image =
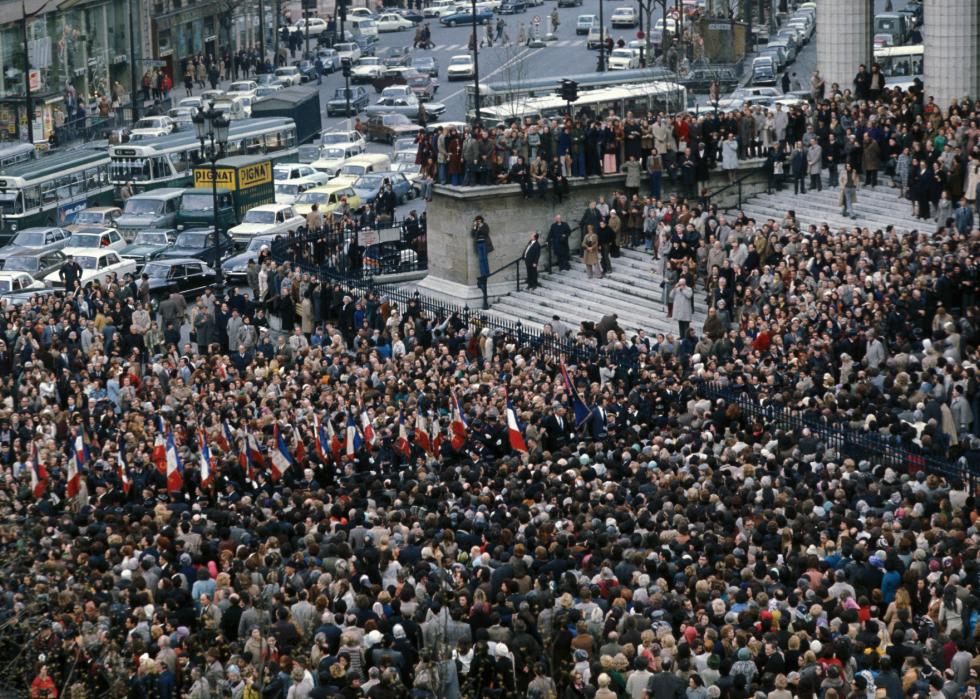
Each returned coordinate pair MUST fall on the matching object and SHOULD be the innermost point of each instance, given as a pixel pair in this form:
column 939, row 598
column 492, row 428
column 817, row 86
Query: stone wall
column 843, row 41
column 952, row 50
column 453, row 266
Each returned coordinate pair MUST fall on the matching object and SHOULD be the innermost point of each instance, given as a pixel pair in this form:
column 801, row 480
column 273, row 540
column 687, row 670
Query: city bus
column 16, row 153
column 639, row 99
column 901, row 64
column 52, row 189
column 168, row 161
column 494, row 94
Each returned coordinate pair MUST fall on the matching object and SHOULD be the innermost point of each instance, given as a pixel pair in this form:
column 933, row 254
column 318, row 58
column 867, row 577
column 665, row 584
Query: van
column 332, row 158
column 893, row 24
column 156, row 208
column 362, row 164
column 363, row 26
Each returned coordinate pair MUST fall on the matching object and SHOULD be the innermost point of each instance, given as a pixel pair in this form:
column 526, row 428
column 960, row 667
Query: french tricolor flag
column 175, row 467
column 206, row 460
column 159, row 454
column 254, row 453
column 435, row 435
column 280, row 458
column 245, row 460
column 458, row 427
column 514, row 433
column 353, row 436
column 367, row 428
column 39, row 474
column 319, row 438
column 121, row 470
column 76, row 462
column 333, row 440
column 225, row 437
column 402, row 445
column 299, row 449
column 422, row 433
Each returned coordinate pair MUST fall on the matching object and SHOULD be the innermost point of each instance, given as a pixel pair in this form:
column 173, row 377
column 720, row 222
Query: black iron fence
column 382, row 249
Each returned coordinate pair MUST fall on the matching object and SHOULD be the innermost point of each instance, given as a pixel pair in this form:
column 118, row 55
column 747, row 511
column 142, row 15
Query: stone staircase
column 875, row 208
column 633, row 291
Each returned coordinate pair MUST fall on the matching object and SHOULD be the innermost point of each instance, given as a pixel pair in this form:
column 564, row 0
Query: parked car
column 764, row 71
column 267, row 79
column 291, row 171
column 343, row 137
column 199, row 243
column 700, row 79
column 438, row 8
column 317, row 26
column 624, row 59
column 148, row 244
column 349, row 50
column 267, row 90
column 37, row 264
column 512, row 7
column 236, row 266
column 329, row 59
column 333, row 157
column 389, row 257
column 570, row 3
column 584, row 22
column 267, row 219
column 96, row 237
column 151, row 127
column 393, row 22
column 184, row 275
column 359, row 99
column 389, row 127
column 49, row 238
column 368, row 186
column 245, row 88
column 460, row 67
column 289, row 75
column 328, row 198
column 307, row 70
column 466, row 17
column 18, row 283
column 98, row 265
column 288, row 190
column 624, row 17
column 95, row 216
column 409, row 105
column 369, row 69
column 426, row 64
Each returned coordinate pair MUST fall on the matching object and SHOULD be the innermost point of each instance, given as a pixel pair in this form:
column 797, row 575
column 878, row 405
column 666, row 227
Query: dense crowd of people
column 309, row 490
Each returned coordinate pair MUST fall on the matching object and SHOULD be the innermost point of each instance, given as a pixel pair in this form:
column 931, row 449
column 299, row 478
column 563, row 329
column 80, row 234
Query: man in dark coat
column 532, row 254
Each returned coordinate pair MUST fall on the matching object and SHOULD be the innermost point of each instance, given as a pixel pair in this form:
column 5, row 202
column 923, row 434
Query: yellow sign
column 254, row 175
column 226, row 177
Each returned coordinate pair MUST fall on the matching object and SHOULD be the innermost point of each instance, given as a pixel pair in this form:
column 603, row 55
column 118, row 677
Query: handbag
column 609, row 164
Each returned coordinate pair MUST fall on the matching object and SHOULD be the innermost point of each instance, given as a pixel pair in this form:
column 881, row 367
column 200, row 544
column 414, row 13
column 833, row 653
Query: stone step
column 622, row 286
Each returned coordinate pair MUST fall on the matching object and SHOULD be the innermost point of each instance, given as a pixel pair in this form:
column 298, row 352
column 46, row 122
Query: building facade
column 77, row 51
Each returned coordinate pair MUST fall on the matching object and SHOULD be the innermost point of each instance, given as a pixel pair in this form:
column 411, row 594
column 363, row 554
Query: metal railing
column 737, row 185
column 367, row 251
column 873, row 446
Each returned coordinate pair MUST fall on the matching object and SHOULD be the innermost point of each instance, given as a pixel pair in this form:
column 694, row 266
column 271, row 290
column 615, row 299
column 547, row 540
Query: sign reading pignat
column 232, row 179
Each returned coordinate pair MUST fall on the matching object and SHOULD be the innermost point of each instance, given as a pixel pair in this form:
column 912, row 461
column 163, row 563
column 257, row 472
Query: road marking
column 525, row 53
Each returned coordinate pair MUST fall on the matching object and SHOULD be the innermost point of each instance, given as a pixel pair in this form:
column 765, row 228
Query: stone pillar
column 952, row 50
column 843, row 41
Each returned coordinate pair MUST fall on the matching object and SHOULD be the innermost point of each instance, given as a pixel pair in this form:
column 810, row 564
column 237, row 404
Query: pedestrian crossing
column 464, row 47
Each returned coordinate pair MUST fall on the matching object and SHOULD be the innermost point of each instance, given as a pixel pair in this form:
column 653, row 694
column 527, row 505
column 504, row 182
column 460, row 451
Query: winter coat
column 683, row 300
column 729, row 154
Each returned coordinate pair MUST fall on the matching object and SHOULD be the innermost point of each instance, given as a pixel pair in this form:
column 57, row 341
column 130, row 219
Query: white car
column 152, row 127
column 392, row 22
column 292, row 171
column 289, row 75
column 624, row 17
column 368, row 70
column 97, row 237
column 460, row 67
column 360, row 12
column 267, row 219
column 438, row 8
column 317, row 26
column 333, row 157
column 348, row 50
column 242, row 88
column 288, row 190
column 17, row 282
column 191, row 102
column 97, row 266
column 624, row 59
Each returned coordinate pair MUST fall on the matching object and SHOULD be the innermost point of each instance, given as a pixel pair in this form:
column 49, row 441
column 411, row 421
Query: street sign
column 641, row 34
column 535, row 20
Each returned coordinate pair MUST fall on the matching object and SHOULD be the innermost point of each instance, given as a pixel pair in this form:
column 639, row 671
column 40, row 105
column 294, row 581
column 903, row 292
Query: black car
column 512, row 7
column 700, row 79
column 199, row 244
column 186, row 275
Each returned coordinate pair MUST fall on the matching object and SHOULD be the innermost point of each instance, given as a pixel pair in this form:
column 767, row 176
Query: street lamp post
column 602, row 40
column 476, row 70
column 211, row 127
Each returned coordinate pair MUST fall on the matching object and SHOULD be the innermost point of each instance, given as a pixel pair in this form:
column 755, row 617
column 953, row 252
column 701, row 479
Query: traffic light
column 345, row 67
column 568, row 90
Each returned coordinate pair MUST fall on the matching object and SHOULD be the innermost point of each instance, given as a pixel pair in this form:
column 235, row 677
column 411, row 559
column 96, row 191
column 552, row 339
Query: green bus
column 52, row 189
column 167, row 161
column 244, row 182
